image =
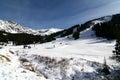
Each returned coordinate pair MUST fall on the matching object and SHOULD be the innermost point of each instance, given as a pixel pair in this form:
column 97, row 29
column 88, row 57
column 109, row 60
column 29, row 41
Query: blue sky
column 39, row 14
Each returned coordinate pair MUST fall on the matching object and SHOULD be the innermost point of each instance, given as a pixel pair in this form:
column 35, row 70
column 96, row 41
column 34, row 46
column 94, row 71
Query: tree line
column 23, row 38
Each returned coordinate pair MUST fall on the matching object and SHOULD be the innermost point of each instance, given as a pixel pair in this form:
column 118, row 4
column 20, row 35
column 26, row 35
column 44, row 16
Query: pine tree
column 117, row 51
column 106, row 68
column 117, row 47
column 76, row 35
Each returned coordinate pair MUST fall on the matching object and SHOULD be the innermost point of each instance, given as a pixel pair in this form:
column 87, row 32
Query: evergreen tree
column 76, row 35
column 117, row 51
column 117, row 47
column 106, row 68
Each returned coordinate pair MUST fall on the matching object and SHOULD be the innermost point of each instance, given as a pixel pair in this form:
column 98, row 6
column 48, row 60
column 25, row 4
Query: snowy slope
column 102, row 19
column 13, row 27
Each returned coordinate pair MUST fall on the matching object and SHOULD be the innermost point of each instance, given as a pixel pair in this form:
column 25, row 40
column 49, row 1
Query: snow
column 62, row 59
column 73, row 58
column 103, row 19
column 85, row 47
column 12, row 71
column 13, row 27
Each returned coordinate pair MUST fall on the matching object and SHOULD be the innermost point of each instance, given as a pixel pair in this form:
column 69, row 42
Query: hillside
column 110, row 29
column 23, row 35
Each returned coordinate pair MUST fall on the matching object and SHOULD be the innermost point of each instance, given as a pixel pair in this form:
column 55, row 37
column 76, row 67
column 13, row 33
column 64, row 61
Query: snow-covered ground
column 62, row 59
column 10, row 68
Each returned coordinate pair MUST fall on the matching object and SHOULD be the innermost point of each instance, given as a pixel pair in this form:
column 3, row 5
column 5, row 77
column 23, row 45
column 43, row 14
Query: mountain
column 13, row 27
column 11, row 31
column 79, row 28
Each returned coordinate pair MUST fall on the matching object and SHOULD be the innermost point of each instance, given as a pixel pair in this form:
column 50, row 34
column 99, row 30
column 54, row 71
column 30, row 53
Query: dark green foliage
column 3, row 37
column 48, row 38
column 57, row 34
column 23, row 38
column 109, row 30
column 106, row 68
column 84, row 26
column 74, row 30
column 117, row 48
column 116, row 52
column 69, row 31
column 76, row 35
column 116, row 19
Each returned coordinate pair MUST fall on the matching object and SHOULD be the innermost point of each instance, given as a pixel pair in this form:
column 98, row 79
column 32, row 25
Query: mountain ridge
column 14, row 28
column 73, row 32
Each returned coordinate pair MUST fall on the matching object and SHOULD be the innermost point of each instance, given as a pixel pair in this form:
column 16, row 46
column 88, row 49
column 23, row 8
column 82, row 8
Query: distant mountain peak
column 13, row 27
